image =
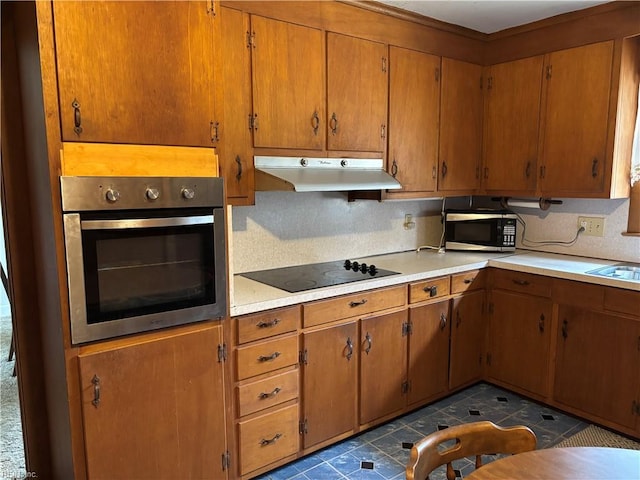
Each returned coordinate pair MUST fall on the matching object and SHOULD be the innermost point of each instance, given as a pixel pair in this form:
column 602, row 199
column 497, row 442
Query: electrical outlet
column 593, row 226
column 409, row 224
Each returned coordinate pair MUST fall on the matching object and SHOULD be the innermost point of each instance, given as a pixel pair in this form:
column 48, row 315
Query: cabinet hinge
column 226, row 461
column 253, row 122
column 302, row 357
column 211, row 8
column 222, row 353
column 251, row 39
column 214, row 128
column 302, row 427
column 405, row 387
column 549, row 71
column 437, row 74
column 407, row 329
column 489, row 83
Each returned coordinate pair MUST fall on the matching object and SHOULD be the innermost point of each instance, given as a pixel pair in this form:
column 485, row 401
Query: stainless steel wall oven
column 143, row 253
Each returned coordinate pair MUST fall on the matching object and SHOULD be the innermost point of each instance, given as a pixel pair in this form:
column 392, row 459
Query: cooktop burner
column 317, row 275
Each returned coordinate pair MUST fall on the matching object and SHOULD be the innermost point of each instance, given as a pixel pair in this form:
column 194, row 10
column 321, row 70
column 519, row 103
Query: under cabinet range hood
column 321, row 174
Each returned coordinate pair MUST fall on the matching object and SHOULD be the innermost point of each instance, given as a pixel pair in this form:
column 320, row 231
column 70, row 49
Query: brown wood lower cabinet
column 383, row 366
column 598, row 364
column 428, row 351
column 154, row 409
column 468, row 328
column 330, row 382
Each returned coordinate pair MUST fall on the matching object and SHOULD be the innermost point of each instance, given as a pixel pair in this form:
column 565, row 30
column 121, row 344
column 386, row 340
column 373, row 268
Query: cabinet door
column 460, row 126
column 383, row 365
column 356, row 94
column 598, row 363
column 136, row 72
column 519, row 341
column 428, row 351
column 155, row 409
column 288, row 85
column 578, row 83
column 511, row 125
column 467, row 339
column 330, row 379
column 234, row 150
column 414, row 114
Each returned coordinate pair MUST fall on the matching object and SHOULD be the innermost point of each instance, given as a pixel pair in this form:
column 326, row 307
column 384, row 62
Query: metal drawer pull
column 443, row 321
column 369, row 341
column 96, row 391
column 522, row 283
column 541, row 323
column 269, row 358
column 269, row 324
column 467, row 280
column 355, row 304
column 349, row 348
column 265, row 442
column 274, row 392
column 432, row 289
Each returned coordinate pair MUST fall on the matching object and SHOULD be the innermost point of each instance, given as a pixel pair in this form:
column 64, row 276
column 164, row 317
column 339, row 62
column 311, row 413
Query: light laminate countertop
column 249, row 296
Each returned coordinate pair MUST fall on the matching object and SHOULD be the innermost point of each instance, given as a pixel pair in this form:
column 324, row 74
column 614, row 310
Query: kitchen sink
column 623, row 271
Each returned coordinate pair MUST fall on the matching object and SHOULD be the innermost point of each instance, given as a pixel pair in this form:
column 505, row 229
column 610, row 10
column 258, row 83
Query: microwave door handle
column 122, row 224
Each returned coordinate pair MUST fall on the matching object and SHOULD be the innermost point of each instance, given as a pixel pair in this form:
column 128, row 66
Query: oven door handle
column 122, row 224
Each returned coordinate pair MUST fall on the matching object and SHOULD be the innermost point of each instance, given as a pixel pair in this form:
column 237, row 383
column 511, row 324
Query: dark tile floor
column 382, row 453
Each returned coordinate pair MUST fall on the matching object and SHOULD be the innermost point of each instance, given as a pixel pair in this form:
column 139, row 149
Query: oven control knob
column 355, row 266
column 347, row 264
column 188, row 193
column 153, row 193
column 363, row 268
column 112, row 195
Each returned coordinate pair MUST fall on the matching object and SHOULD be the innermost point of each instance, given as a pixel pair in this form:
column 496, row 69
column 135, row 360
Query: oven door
column 132, row 273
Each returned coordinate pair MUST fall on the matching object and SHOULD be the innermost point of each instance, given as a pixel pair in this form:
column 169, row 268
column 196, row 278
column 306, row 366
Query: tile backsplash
column 289, row 228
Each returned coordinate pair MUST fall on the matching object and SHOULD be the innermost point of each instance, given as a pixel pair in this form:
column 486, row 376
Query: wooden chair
column 471, row 439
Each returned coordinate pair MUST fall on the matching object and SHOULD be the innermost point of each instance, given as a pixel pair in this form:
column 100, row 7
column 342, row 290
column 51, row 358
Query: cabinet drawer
column 587, row 295
column 428, row 289
column 358, row 304
column 268, row 438
column 472, row 280
column 267, row 324
column 266, row 393
column 522, row 282
column 622, row 301
column 266, row 357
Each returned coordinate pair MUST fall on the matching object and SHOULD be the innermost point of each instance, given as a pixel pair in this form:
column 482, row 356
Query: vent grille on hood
column 322, row 174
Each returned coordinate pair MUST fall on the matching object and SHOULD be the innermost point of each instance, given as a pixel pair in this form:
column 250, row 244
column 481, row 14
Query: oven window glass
column 137, row 272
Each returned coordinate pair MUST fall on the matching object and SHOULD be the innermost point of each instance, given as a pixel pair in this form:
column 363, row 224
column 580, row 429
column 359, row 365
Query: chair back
column 460, row 441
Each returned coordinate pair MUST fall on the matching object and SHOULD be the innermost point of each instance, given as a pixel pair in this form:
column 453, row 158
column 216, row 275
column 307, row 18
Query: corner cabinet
column 153, row 407
column 123, row 77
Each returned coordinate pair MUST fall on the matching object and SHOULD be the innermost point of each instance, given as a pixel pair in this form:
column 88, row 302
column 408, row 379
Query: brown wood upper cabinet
column 460, row 146
column 288, row 85
column 124, row 77
column 357, row 73
column 414, row 116
column 512, row 113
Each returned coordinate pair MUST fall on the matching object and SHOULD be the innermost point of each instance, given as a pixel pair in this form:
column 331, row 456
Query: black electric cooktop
column 317, row 275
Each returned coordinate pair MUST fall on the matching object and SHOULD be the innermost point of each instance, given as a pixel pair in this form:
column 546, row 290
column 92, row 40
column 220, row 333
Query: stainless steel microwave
column 480, row 230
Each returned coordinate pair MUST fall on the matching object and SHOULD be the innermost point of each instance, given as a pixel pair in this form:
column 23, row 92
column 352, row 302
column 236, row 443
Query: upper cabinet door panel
column 288, row 85
column 414, row 113
column 136, row 72
column 460, row 126
column 576, row 119
column 356, row 94
column 511, row 128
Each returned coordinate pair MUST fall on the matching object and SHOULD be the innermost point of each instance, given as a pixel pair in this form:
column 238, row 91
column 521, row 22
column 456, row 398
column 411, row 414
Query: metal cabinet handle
column 443, row 321
column 444, row 169
column 368, row 339
column 356, row 304
column 274, row 439
column 383, row 131
column 394, row 168
column 522, row 283
column 434, row 172
column 349, row 348
column 527, row 170
column 77, row 120
column 268, row 358
column 431, row 289
column 594, row 168
column 96, row 391
column 565, row 329
column 273, row 393
column 269, row 324
column 541, row 323
column 315, row 122
column 333, row 124
column 467, row 281
column 486, row 173
column 239, row 162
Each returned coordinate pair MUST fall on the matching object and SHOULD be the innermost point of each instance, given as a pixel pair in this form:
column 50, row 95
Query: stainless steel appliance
column 317, row 275
column 143, row 253
column 480, row 230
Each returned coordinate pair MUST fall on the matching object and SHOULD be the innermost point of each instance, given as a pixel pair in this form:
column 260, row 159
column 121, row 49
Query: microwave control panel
column 509, row 233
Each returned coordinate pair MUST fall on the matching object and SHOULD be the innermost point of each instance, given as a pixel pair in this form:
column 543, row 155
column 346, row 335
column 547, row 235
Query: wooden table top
column 573, row 463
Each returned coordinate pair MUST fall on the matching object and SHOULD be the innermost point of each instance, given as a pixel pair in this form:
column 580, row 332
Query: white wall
column 5, row 309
